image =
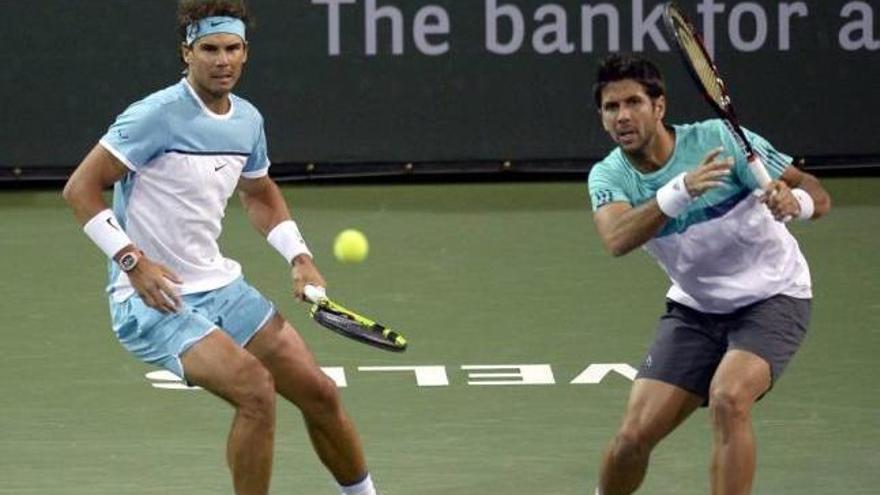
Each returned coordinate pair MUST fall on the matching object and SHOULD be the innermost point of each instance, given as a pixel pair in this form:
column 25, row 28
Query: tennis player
column 739, row 304
column 174, row 159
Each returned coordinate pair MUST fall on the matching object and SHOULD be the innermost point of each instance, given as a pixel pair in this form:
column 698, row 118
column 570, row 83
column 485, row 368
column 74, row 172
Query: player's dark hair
column 620, row 66
column 190, row 11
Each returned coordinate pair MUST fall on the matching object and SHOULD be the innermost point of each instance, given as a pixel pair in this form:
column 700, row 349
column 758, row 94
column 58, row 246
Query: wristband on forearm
column 104, row 230
column 287, row 240
column 673, row 198
column 804, row 199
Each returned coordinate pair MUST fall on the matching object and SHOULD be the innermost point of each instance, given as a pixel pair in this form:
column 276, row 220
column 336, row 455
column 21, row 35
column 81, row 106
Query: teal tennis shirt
column 726, row 250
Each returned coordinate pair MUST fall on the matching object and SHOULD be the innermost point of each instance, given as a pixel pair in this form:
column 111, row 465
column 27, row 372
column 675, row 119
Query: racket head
column 704, row 72
column 697, row 60
column 354, row 326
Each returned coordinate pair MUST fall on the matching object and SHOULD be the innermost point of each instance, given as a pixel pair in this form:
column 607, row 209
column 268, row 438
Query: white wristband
column 287, row 240
column 806, row 201
column 104, row 230
column 673, row 198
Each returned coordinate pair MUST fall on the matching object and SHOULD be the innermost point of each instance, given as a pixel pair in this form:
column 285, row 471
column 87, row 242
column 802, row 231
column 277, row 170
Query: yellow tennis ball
column 351, row 246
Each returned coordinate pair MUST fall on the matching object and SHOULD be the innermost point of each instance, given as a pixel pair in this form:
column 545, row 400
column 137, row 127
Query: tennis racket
column 705, row 73
column 347, row 323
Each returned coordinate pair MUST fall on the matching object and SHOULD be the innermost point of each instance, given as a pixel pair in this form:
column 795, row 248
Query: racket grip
column 314, row 294
column 759, row 171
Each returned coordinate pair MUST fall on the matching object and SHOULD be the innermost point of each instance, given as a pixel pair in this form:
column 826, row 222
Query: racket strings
column 699, row 61
column 351, row 324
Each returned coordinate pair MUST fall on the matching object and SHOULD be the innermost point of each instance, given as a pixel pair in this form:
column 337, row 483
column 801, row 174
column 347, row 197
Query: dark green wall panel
column 69, row 66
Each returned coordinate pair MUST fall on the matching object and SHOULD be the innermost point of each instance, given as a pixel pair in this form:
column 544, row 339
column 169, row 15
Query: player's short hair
column 620, row 66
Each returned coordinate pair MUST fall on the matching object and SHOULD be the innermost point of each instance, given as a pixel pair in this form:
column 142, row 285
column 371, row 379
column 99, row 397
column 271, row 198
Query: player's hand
column 709, row 174
column 153, row 282
column 304, row 272
column 781, row 202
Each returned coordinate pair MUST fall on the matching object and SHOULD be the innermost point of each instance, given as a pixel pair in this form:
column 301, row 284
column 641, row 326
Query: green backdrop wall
column 440, row 80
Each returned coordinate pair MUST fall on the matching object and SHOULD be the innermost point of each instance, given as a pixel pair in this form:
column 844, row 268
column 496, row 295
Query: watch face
column 128, row 261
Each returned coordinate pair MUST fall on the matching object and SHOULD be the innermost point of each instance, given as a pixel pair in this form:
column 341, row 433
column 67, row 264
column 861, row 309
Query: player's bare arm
column 84, row 193
column 263, row 203
column 84, row 190
column 267, row 210
column 783, row 202
column 623, row 228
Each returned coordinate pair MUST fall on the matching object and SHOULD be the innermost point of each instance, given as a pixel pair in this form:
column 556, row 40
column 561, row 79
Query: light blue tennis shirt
column 725, row 251
column 184, row 163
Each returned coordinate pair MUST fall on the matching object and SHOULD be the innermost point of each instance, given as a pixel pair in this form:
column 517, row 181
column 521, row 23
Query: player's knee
column 323, row 399
column 728, row 404
column 256, row 398
column 629, row 445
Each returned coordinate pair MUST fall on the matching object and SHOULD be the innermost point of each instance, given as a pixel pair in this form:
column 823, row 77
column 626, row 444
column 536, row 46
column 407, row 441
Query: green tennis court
column 483, row 279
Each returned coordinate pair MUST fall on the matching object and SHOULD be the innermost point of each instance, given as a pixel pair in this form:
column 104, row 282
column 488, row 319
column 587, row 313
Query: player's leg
column 673, row 381
column 251, row 320
column 741, row 378
column 655, row 408
column 188, row 344
column 763, row 339
column 219, row 365
column 299, row 379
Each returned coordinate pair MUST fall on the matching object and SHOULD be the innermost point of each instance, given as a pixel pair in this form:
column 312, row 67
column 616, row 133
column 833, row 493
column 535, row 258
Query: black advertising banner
column 354, row 81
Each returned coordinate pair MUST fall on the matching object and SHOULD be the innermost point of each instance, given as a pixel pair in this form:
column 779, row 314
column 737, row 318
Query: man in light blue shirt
column 174, row 159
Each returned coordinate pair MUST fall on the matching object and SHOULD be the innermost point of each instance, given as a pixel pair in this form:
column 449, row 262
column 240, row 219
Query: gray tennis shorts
column 690, row 344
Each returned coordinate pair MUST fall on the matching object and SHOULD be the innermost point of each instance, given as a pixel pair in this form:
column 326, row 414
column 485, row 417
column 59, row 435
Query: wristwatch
column 129, row 260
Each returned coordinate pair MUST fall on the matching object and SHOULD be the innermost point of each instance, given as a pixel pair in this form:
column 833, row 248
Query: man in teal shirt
column 739, row 304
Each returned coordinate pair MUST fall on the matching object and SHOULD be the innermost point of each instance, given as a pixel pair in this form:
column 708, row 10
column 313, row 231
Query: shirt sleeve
column 257, row 164
column 604, row 188
column 774, row 160
column 137, row 136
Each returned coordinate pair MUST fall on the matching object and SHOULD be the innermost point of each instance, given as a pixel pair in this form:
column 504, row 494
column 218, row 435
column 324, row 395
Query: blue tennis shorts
column 160, row 338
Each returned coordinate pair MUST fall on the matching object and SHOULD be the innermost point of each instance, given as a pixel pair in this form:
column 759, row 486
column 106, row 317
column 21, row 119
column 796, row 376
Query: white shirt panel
column 174, row 215
column 732, row 261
